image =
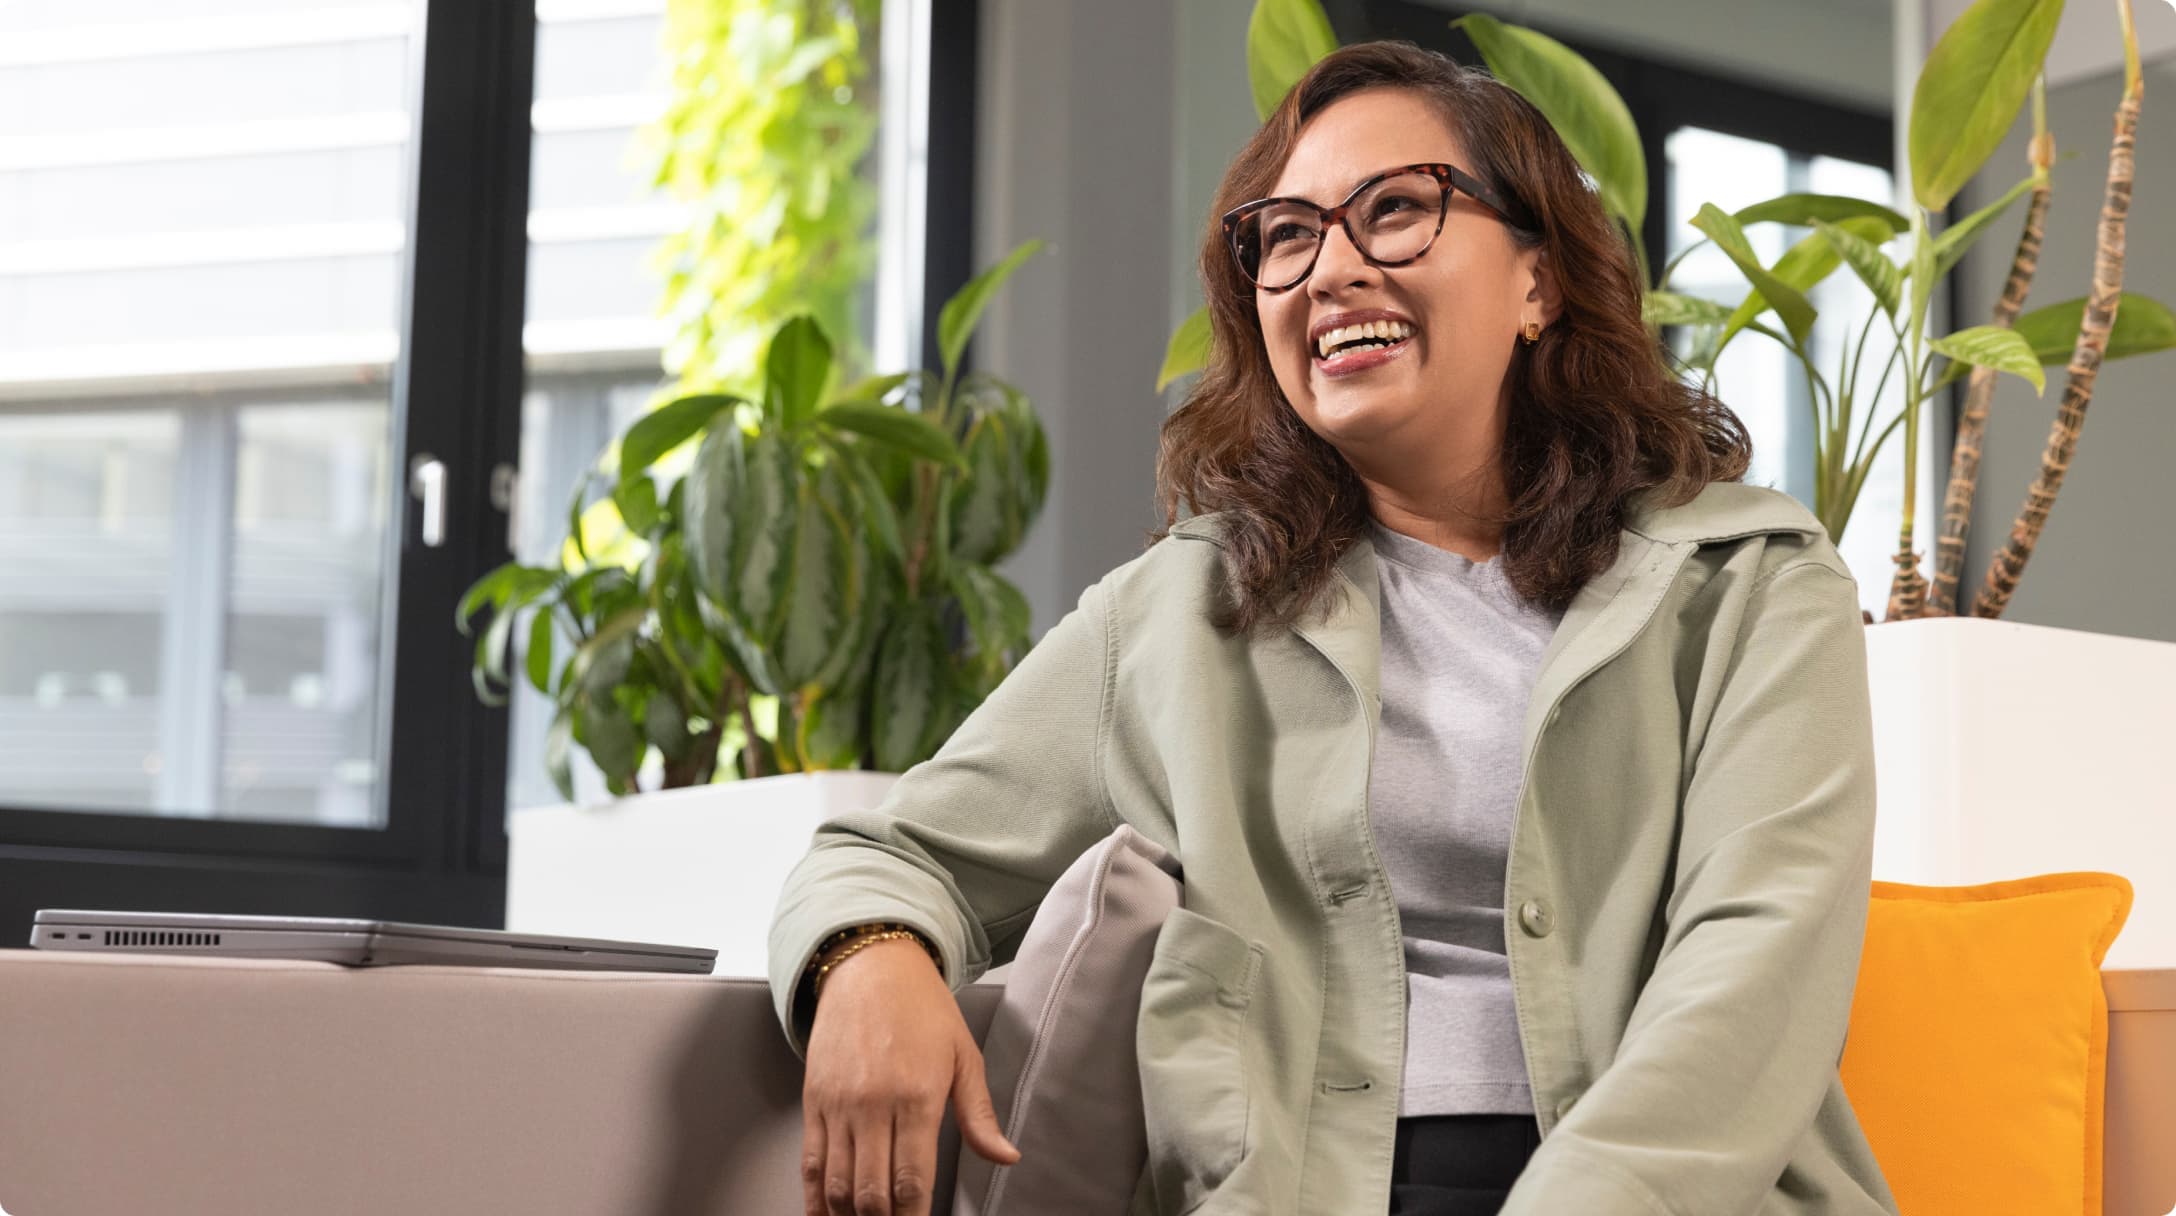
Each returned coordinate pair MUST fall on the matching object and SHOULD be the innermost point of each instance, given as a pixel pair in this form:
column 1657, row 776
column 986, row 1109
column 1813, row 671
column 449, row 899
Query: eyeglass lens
column 1392, row 222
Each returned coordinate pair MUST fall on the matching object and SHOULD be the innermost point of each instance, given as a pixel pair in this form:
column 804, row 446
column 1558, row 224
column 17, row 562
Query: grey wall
column 1074, row 145
column 2103, row 562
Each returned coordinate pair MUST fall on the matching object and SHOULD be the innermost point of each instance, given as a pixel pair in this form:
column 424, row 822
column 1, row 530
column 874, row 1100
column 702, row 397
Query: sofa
column 133, row 1085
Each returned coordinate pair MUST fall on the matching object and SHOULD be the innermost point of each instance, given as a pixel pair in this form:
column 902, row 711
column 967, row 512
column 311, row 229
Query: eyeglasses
column 1392, row 219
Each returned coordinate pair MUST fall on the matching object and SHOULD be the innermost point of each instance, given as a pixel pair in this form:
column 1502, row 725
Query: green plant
column 1969, row 92
column 763, row 141
column 815, row 590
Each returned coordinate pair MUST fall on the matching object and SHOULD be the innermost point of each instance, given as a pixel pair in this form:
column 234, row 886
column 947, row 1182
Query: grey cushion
column 1060, row 1052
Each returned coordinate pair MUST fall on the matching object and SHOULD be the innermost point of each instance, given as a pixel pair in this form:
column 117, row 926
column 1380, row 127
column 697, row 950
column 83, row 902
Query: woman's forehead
column 1357, row 137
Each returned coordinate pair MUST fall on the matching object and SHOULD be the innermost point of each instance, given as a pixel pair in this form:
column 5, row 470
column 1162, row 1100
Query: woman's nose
column 1339, row 263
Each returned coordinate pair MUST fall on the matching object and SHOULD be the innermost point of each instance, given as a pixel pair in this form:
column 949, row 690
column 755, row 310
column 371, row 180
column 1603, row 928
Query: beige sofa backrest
column 142, row 1086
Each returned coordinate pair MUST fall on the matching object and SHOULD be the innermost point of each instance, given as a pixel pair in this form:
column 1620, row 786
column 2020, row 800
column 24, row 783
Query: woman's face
column 1463, row 301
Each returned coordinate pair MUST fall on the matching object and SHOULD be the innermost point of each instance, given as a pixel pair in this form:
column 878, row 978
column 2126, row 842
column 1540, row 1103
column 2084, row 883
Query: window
column 309, row 315
column 202, row 297
column 1764, row 383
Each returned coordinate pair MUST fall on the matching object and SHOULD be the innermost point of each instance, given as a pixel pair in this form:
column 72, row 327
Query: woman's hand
column 887, row 1049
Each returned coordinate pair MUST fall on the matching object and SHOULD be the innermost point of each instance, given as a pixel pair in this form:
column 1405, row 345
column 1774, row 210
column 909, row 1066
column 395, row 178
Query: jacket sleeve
column 967, row 843
column 1735, row 1038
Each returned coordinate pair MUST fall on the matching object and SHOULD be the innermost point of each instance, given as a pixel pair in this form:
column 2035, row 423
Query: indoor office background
column 260, row 258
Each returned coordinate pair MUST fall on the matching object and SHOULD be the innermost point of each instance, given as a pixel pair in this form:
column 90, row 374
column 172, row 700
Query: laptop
column 358, row 943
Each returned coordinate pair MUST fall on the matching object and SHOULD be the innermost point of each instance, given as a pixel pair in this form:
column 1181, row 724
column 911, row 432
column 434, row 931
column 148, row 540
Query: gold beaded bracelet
column 846, row 943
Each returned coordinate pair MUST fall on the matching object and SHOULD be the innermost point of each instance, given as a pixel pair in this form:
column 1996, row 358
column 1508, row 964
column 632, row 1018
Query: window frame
column 456, row 394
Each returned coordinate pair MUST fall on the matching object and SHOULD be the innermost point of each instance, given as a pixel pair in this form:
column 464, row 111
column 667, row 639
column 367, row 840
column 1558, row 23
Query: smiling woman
column 1525, row 866
column 1525, row 405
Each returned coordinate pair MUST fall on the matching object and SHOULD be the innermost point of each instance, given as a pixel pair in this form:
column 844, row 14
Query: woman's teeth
column 1374, row 335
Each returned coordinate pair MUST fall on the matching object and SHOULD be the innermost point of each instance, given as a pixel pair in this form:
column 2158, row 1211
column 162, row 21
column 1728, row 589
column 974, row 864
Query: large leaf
column 559, row 752
column 1675, row 308
column 1921, row 278
column 1030, row 447
column 507, row 586
column 2143, row 326
column 913, row 707
column 904, row 430
column 826, row 602
column 873, row 505
column 1995, row 346
column 1587, row 113
column 795, row 371
column 997, row 614
column 1882, row 277
column 537, row 656
column 956, row 321
column 985, row 504
column 1802, row 266
column 741, row 517
column 636, row 501
column 1790, row 303
column 1188, row 351
column 609, row 734
column 874, row 388
column 667, row 427
column 602, row 661
column 665, row 725
column 1284, row 39
column 1801, row 210
column 1969, row 92
column 1958, row 237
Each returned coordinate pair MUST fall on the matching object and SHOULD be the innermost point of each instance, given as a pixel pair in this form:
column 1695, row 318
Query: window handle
column 427, row 485
column 506, row 496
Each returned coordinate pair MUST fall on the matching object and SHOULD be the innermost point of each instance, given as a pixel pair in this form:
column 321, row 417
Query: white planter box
column 693, row 867
column 2005, row 750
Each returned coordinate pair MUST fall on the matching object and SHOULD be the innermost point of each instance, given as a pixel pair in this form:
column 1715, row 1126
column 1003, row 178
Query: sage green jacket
column 1684, row 900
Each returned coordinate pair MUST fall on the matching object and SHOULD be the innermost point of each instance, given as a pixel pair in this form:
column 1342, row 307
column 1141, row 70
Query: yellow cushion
column 1979, row 1042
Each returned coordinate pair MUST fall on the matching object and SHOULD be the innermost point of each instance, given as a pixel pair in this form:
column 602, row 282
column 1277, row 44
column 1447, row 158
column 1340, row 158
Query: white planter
column 694, row 867
column 2005, row 750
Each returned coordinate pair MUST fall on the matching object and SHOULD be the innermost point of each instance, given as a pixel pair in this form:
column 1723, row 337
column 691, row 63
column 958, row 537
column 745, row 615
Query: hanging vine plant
column 763, row 141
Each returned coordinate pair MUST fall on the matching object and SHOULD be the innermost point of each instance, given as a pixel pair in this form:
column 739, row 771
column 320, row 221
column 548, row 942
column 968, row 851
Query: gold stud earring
column 1532, row 332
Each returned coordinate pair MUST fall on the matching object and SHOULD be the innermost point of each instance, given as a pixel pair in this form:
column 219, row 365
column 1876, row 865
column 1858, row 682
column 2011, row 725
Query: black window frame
column 457, row 394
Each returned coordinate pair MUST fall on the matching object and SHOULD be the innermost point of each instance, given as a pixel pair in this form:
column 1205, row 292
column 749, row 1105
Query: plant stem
column 2085, row 355
column 1964, row 456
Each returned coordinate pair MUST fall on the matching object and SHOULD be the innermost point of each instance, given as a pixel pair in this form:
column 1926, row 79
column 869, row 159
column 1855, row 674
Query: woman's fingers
column 914, row 1156
column 839, row 1153
column 873, row 1164
column 812, row 1160
column 971, row 1103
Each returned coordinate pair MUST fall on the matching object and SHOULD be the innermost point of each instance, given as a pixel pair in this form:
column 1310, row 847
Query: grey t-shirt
column 1460, row 653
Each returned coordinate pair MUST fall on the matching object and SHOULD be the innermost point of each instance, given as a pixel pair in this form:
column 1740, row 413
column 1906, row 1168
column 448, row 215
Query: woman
column 1519, row 760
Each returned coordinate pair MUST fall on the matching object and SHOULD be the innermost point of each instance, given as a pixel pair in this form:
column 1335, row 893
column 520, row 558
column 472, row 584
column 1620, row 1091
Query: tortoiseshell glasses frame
column 1452, row 179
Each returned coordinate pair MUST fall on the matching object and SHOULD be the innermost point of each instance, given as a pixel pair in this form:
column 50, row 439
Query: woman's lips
column 1351, row 363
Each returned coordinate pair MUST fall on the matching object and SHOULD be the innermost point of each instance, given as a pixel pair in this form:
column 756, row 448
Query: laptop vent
column 158, row 937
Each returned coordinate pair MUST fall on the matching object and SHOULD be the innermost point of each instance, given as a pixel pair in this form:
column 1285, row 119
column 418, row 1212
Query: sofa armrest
column 132, row 1084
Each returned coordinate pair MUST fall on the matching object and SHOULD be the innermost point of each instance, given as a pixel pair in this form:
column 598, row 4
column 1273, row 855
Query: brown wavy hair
column 1597, row 417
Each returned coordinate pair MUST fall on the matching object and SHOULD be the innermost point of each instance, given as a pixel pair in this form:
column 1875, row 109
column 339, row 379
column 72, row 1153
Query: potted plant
column 1962, row 706
column 781, row 602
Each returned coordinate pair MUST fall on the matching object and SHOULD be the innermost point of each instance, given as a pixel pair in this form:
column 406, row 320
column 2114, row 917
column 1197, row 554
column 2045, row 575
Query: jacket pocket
column 1191, row 1041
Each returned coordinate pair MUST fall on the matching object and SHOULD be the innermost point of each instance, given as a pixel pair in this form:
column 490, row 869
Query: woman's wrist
column 847, row 943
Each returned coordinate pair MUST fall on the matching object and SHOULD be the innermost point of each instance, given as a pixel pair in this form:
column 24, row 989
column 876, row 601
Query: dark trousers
column 1459, row 1165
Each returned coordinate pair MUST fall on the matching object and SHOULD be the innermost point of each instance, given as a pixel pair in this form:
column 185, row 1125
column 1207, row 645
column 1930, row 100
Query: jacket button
column 1535, row 918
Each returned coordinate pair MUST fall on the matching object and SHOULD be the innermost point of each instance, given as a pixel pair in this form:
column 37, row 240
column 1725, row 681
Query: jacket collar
column 1602, row 618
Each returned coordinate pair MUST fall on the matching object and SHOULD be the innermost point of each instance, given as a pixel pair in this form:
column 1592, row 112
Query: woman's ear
column 1543, row 288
